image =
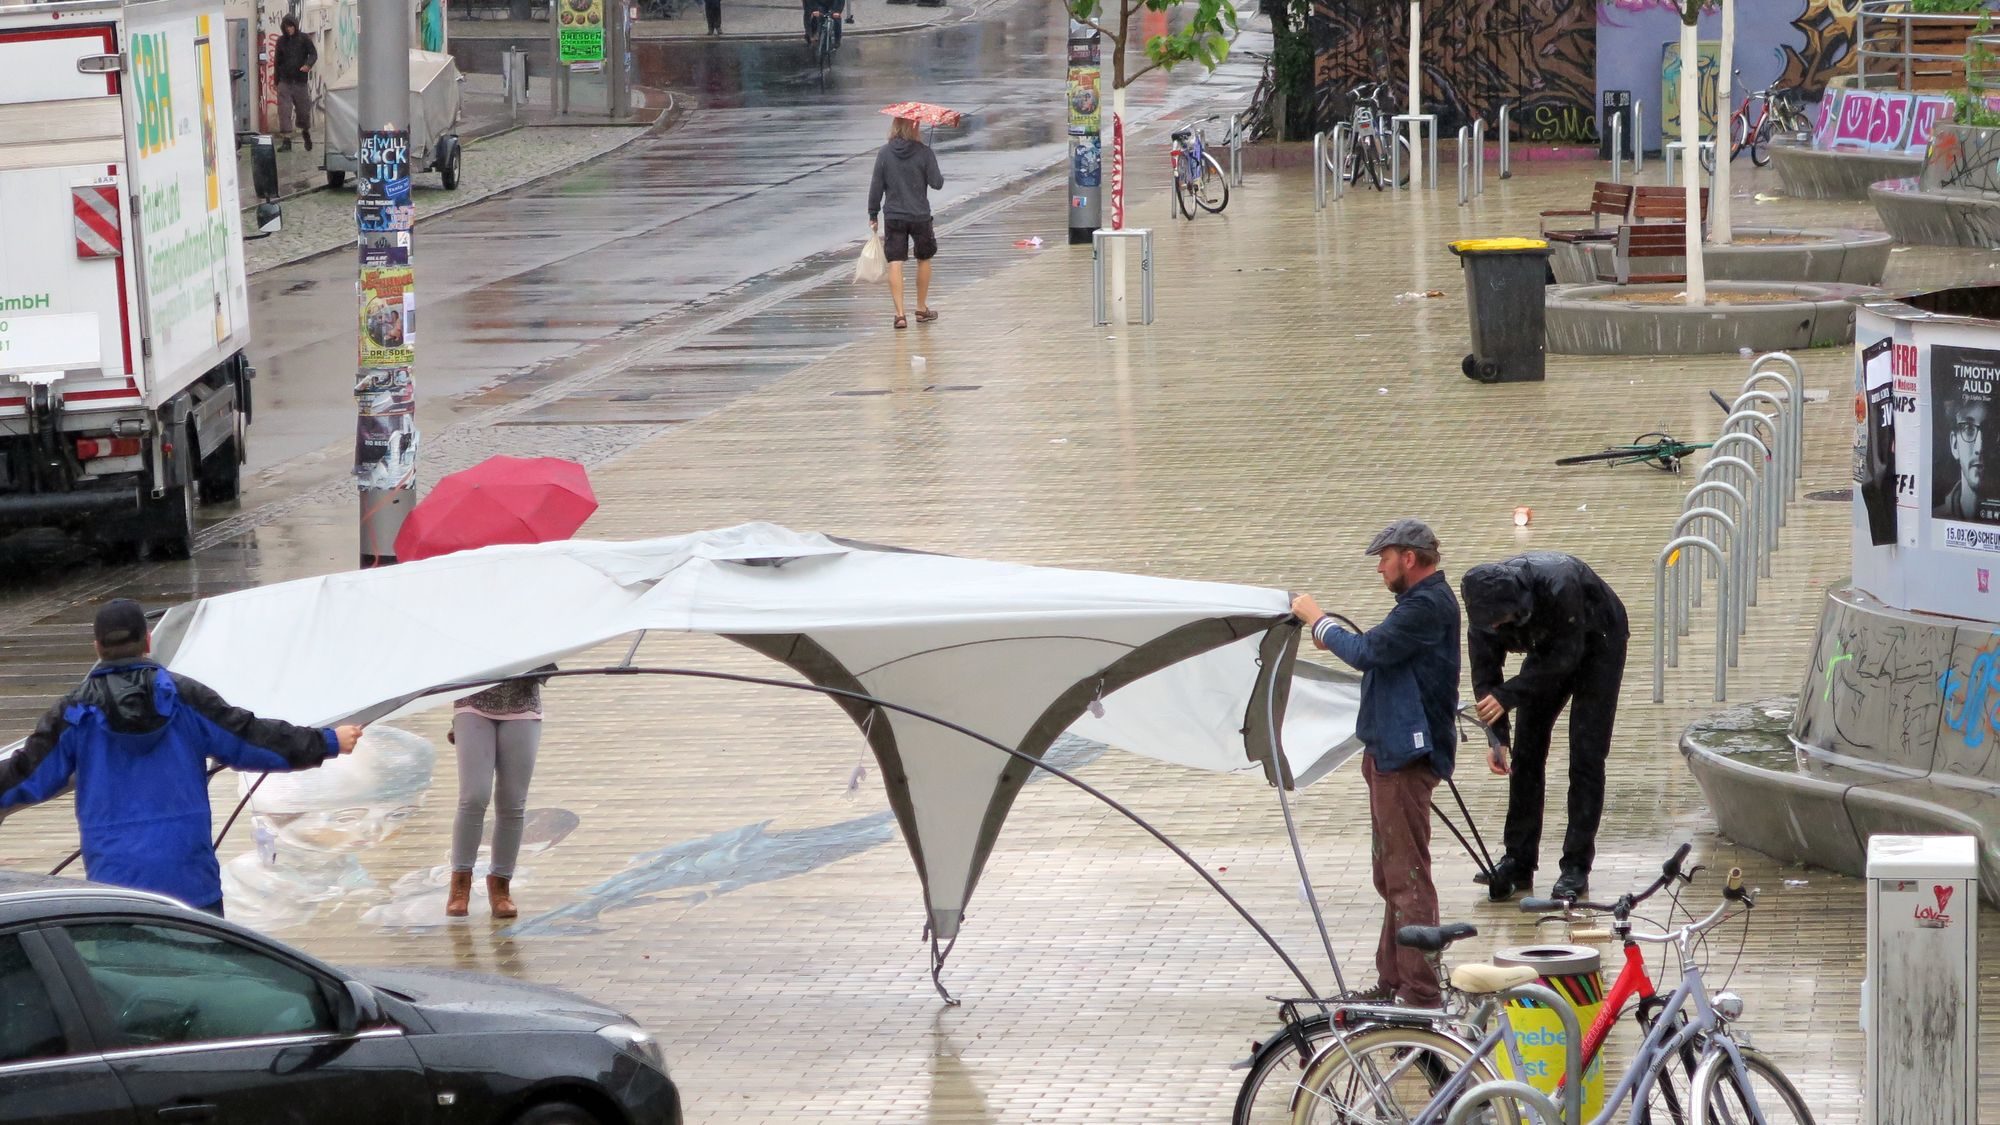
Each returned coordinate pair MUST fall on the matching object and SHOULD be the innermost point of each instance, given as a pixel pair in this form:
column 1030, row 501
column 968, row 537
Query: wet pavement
column 710, row 857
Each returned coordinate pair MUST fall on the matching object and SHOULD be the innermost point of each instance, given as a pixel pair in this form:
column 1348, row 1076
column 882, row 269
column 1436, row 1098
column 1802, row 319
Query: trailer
column 124, row 309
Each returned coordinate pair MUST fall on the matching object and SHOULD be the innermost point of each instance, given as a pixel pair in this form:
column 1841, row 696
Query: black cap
column 1414, row 534
column 120, row 621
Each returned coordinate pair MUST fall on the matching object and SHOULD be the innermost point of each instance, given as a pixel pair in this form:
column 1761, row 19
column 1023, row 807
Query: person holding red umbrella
column 906, row 171
column 497, row 731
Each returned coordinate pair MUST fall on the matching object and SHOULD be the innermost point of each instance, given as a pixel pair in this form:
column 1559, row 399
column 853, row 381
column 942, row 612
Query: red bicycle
column 1778, row 111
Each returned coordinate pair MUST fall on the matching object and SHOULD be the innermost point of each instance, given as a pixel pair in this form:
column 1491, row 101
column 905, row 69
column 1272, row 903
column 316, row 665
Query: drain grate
column 1842, row 494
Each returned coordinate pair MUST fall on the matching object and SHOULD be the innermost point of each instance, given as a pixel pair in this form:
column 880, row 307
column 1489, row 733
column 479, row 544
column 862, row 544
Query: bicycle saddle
column 1183, row 134
column 1480, row 980
column 1434, row 939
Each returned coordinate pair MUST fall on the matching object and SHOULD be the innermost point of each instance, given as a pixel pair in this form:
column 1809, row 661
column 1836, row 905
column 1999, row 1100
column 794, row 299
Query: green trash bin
column 1505, row 291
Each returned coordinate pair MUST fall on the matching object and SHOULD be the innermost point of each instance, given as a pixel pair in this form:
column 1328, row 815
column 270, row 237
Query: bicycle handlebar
column 1669, row 871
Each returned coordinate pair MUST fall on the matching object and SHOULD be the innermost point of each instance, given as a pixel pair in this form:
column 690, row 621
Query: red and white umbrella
column 925, row 113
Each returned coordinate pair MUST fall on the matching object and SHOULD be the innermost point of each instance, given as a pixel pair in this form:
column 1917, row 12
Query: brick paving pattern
column 1283, row 408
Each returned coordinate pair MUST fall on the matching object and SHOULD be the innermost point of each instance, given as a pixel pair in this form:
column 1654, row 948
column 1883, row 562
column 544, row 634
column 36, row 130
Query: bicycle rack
column 1793, row 408
column 1319, row 171
column 1506, row 131
column 1739, row 422
column 1746, row 481
column 1797, row 386
column 1661, row 626
column 1419, row 123
column 1669, row 148
column 1479, row 156
column 1679, row 616
column 1097, row 241
column 1737, row 558
column 1235, row 143
column 1618, row 148
column 1539, row 1104
column 1766, row 532
column 1464, row 172
column 1638, row 136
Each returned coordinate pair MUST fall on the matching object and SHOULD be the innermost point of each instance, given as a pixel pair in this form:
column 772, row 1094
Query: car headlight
column 636, row 1041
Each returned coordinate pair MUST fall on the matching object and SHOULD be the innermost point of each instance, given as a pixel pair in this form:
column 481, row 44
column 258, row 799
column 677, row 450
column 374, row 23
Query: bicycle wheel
column 1724, row 1095
column 1211, row 187
column 1183, row 188
column 1760, row 146
column 1373, row 160
column 1384, row 1074
column 1409, row 165
column 1275, row 1069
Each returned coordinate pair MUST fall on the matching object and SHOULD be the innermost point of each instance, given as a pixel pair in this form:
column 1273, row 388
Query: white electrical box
column 1920, row 1003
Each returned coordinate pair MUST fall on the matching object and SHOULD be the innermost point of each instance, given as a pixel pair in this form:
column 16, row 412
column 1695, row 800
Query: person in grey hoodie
column 905, row 171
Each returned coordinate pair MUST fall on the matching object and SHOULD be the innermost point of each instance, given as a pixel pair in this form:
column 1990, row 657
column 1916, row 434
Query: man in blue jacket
column 1409, row 697
column 137, row 738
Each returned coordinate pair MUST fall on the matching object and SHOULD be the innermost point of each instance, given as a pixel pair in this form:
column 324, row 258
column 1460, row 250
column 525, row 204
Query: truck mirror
column 264, row 168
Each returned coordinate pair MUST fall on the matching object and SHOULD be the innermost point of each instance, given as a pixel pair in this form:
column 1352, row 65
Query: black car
column 123, row 1007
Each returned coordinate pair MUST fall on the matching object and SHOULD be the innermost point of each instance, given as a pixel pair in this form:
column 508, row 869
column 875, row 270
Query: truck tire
column 335, row 177
column 170, row 523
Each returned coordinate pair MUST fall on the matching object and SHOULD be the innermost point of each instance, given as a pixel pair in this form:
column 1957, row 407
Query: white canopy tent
column 1179, row 670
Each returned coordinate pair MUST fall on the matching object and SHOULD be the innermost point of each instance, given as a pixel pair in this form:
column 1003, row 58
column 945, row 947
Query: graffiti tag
column 1976, row 697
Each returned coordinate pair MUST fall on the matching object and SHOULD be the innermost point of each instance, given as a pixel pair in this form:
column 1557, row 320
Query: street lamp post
column 385, row 439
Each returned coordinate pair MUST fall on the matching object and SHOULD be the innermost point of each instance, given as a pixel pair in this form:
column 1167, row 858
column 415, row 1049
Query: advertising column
column 1086, row 152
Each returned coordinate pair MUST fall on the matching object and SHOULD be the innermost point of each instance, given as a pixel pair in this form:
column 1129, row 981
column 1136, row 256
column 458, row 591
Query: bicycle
column 1778, row 111
column 1420, row 1074
column 824, row 40
column 1366, row 148
column 1198, row 179
column 1259, row 121
column 1662, row 451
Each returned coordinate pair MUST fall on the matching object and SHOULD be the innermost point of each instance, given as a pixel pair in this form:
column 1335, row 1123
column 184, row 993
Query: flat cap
column 1414, row 534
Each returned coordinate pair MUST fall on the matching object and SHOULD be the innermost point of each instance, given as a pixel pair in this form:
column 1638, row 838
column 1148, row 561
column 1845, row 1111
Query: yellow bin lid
column 1477, row 244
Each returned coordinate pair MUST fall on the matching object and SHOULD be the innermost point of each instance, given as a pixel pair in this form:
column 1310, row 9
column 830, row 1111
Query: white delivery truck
column 124, row 388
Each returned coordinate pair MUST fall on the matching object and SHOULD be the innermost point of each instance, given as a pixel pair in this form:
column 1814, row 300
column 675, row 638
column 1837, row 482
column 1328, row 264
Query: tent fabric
column 1017, row 653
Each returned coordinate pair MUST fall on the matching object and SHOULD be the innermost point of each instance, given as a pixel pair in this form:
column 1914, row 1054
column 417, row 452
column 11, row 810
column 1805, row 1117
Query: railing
column 1899, row 63
column 1506, row 141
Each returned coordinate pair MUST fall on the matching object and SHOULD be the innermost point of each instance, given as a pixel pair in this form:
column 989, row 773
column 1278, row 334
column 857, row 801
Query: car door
column 49, row 1072
column 201, row 1025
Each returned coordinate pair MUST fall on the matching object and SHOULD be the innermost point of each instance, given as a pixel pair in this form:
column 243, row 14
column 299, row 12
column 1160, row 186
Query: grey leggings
column 496, row 759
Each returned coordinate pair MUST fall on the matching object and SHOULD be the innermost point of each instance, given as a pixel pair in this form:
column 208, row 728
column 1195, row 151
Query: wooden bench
column 1647, row 240
column 1664, row 204
column 1607, row 200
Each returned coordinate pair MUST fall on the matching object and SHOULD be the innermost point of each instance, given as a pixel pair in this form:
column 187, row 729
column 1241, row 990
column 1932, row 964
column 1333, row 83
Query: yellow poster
column 580, row 33
column 388, row 317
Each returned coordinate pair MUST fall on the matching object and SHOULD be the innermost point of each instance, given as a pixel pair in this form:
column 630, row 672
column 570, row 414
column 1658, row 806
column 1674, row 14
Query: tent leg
column 937, row 967
column 1484, row 868
column 1312, row 897
column 1484, row 860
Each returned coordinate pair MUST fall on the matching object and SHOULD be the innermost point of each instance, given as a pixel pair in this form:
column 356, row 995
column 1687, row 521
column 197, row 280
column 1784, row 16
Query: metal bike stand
column 1795, row 409
column 1680, row 616
column 1506, row 131
column 1343, row 147
column 1750, row 484
column 1740, row 420
column 1319, row 171
column 1736, row 556
column 1419, row 123
column 1638, row 137
column 1479, row 156
column 1236, row 150
column 1464, row 172
column 1661, row 626
column 1098, row 302
column 1670, row 148
column 1617, row 149
column 1767, row 482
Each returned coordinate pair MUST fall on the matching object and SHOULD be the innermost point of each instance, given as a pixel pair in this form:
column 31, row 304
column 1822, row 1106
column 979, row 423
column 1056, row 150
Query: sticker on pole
column 95, row 208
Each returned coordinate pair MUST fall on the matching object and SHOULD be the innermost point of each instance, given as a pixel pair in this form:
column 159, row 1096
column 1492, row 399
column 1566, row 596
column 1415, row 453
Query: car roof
column 28, row 897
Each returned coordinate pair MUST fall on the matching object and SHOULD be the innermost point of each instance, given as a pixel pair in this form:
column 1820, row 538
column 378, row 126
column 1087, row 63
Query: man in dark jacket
column 291, row 68
column 1572, row 630
column 1409, row 695
column 137, row 739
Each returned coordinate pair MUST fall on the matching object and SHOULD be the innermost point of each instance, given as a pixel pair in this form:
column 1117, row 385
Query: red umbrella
column 499, row 500
column 925, row 113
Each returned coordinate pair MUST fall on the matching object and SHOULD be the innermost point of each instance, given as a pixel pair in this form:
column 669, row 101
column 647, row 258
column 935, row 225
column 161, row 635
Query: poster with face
column 1875, row 442
column 1963, row 496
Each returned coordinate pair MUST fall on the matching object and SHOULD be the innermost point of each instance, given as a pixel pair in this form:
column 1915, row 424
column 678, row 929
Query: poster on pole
column 1963, row 506
column 1875, row 442
column 580, row 32
column 388, row 317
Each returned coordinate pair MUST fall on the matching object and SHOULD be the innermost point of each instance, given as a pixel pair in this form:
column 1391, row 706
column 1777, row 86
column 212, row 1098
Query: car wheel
column 557, row 1113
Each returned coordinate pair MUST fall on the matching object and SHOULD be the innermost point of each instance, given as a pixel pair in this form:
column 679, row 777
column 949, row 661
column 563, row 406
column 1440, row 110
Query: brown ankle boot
column 458, row 902
column 498, row 898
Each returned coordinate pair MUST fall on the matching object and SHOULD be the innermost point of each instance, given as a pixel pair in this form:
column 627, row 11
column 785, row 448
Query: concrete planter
column 1852, row 257
column 1810, row 173
column 1955, row 198
column 1606, row 319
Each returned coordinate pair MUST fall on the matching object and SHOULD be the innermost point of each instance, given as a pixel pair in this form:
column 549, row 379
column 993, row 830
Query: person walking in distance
column 291, row 69
column 497, row 732
column 1571, row 630
column 713, row 9
column 1409, row 696
column 136, row 739
column 906, row 172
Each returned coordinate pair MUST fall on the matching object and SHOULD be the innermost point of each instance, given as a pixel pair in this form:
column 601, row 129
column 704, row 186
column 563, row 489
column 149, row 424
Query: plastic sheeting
column 1017, row 653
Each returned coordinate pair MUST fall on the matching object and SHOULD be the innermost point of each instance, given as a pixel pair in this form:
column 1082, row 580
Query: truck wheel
column 451, row 165
column 170, row 522
column 222, row 473
column 335, row 177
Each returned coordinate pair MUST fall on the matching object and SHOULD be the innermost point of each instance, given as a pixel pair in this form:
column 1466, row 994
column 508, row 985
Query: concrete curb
column 1812, row 173
column 1852, row 257
column 1582, row 322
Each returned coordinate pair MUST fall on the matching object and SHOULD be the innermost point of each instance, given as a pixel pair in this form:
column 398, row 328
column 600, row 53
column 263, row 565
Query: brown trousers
column 295, row 107
column 1399, row 810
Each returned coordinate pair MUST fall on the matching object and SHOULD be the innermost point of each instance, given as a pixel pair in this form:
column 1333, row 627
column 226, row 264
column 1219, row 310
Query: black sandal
column 927, row 315
column 902, row 322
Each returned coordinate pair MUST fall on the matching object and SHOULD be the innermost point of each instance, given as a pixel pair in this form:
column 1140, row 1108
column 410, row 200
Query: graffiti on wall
column 1538, row 55
column 1825, row 48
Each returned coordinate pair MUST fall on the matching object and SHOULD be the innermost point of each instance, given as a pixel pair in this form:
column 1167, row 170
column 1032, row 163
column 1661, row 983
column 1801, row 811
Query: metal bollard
column 1661, row 625
column 1236, row 149
column 1479, row 156
column 1617, row 149
column 1638, row 137
column 1097, row 240
column 1506, row 141
column 1464, row 172
column 1343, row 145
column 1319, row 171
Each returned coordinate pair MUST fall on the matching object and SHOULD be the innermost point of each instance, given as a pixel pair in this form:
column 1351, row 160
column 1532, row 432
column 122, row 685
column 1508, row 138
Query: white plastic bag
column 873, row 264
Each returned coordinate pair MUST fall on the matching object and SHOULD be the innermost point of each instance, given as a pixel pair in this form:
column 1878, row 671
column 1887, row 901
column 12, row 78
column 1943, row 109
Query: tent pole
column 1284, row 773
column 633, row 652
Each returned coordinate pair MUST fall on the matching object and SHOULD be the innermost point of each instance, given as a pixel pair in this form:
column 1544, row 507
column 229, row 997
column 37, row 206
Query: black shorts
column 897, row 234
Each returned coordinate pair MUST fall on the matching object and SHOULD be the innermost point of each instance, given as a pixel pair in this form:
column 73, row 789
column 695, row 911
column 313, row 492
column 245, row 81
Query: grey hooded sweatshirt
column 903, row 170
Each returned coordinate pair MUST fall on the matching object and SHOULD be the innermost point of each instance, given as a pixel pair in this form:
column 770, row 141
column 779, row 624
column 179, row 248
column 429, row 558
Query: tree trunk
column 1719, row 222
column 1416, row 103
column 1697, row 281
